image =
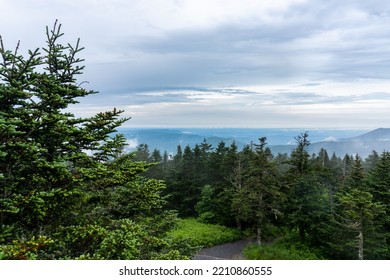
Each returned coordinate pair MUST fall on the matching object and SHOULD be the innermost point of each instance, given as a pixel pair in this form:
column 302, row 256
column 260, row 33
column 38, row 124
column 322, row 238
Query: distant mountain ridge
column 340, row 142
column 379, row 134
column 363, row 145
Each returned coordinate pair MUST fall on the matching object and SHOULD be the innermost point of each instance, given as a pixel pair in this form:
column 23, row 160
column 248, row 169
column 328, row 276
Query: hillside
column 340, row 142
column 377, row 135
column 378, row 140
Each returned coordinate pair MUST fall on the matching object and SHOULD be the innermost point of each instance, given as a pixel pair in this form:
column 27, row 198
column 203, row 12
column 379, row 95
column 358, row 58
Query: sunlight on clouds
column 327, row 87
column 318, row 104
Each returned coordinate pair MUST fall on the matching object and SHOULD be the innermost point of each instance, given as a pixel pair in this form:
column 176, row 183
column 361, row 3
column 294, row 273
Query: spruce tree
column 67, row 190
column 357, row 213
column 307, row 194
column 378, row 181
column 258, row 200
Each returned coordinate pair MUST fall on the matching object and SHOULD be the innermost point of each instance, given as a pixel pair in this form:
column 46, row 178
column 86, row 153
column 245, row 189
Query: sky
column 222, row 63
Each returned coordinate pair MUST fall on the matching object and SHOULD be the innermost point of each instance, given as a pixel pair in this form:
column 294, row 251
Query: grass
column 286, row 248
column 204, row 235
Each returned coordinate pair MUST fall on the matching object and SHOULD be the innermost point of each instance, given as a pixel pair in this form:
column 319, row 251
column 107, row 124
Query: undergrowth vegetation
column 204, row 235
column 285, row 248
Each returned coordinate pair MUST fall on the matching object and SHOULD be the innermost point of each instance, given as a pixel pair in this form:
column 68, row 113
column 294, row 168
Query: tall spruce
column 66, row 189
column 307, row 200
column 258, row 201
column 357, row 213
column 378, row 181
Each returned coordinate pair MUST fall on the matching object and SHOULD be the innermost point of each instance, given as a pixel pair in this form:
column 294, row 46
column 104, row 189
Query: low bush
column 204, row 235
column 286, row 248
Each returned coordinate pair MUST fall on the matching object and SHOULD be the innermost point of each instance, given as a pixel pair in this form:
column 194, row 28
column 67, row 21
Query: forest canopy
column 336, row 206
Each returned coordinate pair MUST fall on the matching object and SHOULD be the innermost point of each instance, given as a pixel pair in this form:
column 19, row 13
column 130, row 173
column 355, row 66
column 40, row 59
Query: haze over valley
column 341, row 142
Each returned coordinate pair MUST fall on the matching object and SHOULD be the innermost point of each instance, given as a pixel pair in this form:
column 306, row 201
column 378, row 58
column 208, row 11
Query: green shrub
column 24, row 249
column 286, row 248
column 204, row 235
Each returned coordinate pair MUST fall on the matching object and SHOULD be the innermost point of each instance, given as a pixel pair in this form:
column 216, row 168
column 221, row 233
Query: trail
column 227, row 251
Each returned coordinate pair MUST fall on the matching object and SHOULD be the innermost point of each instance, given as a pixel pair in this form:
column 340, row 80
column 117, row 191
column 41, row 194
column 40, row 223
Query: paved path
column 227, row 251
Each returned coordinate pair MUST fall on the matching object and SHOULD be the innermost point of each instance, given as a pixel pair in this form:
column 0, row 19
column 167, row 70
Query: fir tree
column 67, row 190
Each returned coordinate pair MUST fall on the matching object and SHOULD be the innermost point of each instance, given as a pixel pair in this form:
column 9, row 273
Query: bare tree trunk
column 236, row 180
column 258, row 236
column 360, row 244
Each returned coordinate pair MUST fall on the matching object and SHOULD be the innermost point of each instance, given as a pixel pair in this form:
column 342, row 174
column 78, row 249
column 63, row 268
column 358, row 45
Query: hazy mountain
column 377, row 135
column 279, row 140
column 364, row 144
column 169, row 139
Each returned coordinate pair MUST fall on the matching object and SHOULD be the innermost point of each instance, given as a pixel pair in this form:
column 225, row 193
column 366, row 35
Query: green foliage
column 358, row 215
column 258, row 199
column 378, row 184
column 356, row 227
column 42, row 146
column 204, row 207
column 204, row 235
column 24, row 249
column 260, row 194
column 300, row 156
column 67, row 189
column 287, row 248
column 121, row 242
column 279, row 252
column 358, row 206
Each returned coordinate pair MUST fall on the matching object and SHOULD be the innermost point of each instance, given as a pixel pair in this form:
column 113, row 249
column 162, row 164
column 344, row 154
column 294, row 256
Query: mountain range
column 341, row 142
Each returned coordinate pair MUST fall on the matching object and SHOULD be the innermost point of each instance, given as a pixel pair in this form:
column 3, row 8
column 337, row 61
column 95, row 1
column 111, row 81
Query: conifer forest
column 70, row 190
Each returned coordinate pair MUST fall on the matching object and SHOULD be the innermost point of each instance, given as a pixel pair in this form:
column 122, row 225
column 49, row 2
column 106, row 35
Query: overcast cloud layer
column 223, row 63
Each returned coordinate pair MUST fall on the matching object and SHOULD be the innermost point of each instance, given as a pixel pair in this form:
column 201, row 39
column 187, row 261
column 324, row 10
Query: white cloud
column 131, row 144
column 254, row 63
column 359, row 104
column 330, row 138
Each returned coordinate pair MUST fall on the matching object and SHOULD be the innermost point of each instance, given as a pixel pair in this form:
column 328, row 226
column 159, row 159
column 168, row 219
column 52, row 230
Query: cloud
column 357, row 104
column 284, row 63
column 181, row 43
column 307, row 40
column 330, row 138
column 131, row 144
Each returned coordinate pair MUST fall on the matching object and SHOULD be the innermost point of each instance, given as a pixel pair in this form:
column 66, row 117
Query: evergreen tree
column 205, row 205
column 378, row 182
column 66, row 189
column 217, row 161
column 156, row 169
column 183, row 185
column 371, row 161
column 206, row 149
column 347, row 164
column 355, row 179
column 199, row 166
column 236, row 179
column 223, row 159
column 357, row 213
column 282, row 162
column 308, row 203
column 323, row 159
column 300, row 156
column 142, row 153
column 258, row 200
column 47, row 145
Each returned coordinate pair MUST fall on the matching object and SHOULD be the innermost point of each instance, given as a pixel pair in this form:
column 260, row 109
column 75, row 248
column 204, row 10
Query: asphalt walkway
column 227, row 251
